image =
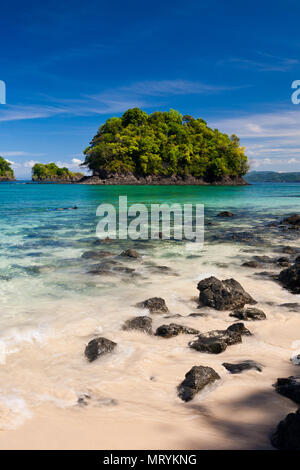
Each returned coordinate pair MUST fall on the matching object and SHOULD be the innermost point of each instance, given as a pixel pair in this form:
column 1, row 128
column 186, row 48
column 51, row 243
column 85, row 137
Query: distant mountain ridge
column 272, row 177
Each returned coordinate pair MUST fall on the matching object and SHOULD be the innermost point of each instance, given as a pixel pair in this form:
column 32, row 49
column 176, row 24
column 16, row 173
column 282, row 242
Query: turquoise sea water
column 55, row 298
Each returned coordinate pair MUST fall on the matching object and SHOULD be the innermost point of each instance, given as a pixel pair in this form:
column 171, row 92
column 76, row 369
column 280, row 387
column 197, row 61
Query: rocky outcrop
column 168, row 331
column 250, row 313
column 289, row 387
column 226, row 214
column 141, row 323
column 154, row 305
column 215, row 341
column 96, row 254
column 98, row 347
column 195, row 380
column 287, row 434
column 223, row 295
column 290, row 277
column 240, row 329
column 130, row 253
column 239, row 367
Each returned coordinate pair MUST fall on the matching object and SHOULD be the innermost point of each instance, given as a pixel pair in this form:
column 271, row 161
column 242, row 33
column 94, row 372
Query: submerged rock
column 130, row 253
column 98, row 347
column 287, row 434
column 250, row 313
column 239, row 367
column 154, row 305
column 226, row 214
column 141, row 323
column 195, row 380
column 223, row 295
column 291, row 306
column 96, row 254
column 251, row 264
column 216, row 341
column 168, row 331
column 290, row 278
column 289, row 387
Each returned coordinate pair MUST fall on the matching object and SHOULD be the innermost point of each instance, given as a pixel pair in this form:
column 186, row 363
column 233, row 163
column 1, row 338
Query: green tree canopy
column 165, row 144
column 6, row 172
column 51, row 172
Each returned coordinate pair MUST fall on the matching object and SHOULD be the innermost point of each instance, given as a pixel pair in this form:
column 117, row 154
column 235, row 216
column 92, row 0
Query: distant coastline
column 272, row 177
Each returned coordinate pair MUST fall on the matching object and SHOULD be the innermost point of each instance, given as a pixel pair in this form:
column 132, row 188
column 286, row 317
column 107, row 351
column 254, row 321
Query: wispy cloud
column 269, row 138
column 263, row 62
column 115, row 100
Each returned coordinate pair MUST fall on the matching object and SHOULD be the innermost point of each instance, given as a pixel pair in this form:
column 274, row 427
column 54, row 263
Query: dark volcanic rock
column 293, row 220
column 251, row 264
column 223, row 295
column 216, row 341
column 287, row 434
column 195, row 380
column 250, row 313
column 225, row 214
column 167, row 331
column 290, row 278
column 98, row 347
column 289, row 388
column 142, row 323
column 241, row 366
column 154, row 305
column 240, row 329
column 130, row 253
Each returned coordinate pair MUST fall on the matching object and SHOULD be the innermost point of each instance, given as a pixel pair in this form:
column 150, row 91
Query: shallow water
column 51, row 306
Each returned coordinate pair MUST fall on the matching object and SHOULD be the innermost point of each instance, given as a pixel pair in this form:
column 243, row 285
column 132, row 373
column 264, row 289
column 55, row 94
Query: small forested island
column 163, row 148
column 272, row 177
column 50, row 172
column 6, row 172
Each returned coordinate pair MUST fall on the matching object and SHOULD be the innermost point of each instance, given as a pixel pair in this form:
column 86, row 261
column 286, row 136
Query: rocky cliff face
column 128, row 179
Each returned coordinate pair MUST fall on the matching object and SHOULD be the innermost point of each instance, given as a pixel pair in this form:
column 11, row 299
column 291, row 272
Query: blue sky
column 69, row 65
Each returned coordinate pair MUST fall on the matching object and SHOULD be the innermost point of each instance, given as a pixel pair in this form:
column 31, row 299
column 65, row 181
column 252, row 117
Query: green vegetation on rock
column 51, row 172
column 6, row 172
column 164, row 144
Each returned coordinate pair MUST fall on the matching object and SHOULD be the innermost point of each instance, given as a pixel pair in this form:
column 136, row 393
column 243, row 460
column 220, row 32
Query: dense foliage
column 51, row 172
column 6, row 172
column 164, row 143
column 272, row 177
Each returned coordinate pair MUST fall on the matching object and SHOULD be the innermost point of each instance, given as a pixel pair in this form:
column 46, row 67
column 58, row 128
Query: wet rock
column 176, row 315
column 290, row 250
column 142, row 323
column 226, row 214
column 195, row 315
column 264, row 259
column 239, row 367
column 83, row 400
column 287, row 434
column 124, row 269
column 98, row 347
column 250, row 313
column 223, row 295
column 154, row 305
column 290, row 278
column 130, row 253
column 251, row 264
column 271, row 275
column 289, row 387
column 168, row 331
column 240, row 329
column 195, row 380
column 291, row 306
column 293, row 220
column 216, row 341
column 283, row 261
column 96, row 254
